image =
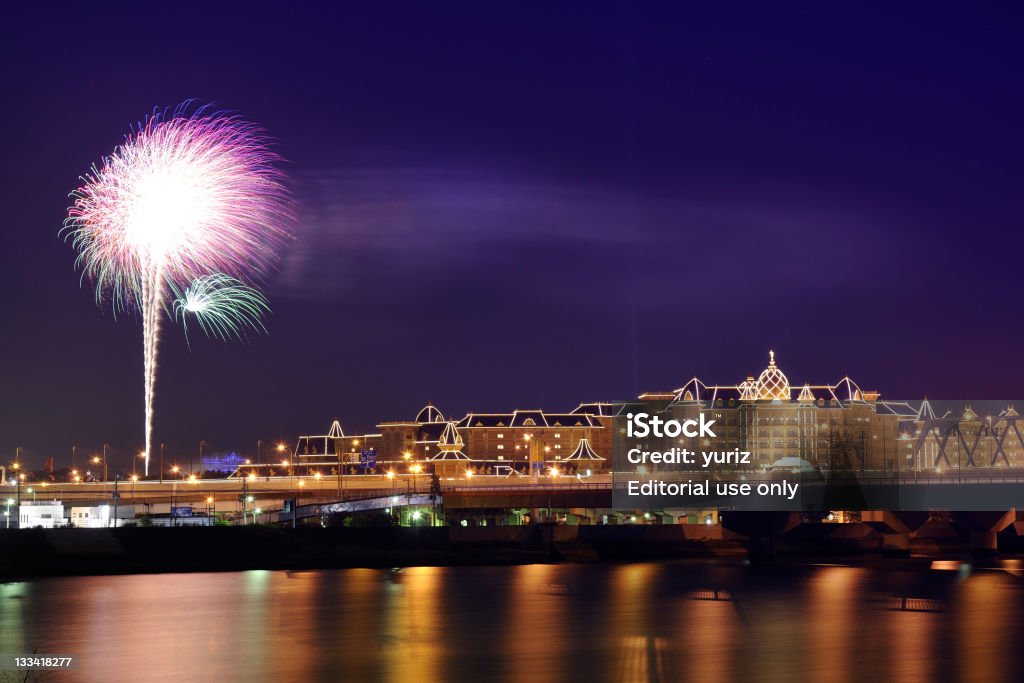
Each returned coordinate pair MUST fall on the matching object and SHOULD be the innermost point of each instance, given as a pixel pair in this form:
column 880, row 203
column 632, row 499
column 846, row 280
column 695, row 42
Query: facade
column 499, row 441
column 42, row 514
column 964, row 439
column 101, row 516
column 826, row 427
column 831, row 426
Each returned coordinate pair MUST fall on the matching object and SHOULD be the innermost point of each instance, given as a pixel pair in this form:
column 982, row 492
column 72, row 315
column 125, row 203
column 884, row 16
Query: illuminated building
column 832, row 426
column 964, row 440
column 828, row 425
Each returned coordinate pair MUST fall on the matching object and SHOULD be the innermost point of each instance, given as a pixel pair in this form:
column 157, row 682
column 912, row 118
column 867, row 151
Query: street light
column 97, row 460
column 7, row 512
column 245, row 505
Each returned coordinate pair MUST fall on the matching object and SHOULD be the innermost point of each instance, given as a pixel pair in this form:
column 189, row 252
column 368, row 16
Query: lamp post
column 20, row 478
column 7, row 512
column 117, row 498
column 211, row 509
column 341, row 484
column 174, row 491
column 98, row 460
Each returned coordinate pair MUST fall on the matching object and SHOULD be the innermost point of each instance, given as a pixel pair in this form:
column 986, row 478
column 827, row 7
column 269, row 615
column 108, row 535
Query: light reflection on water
column 537, row 623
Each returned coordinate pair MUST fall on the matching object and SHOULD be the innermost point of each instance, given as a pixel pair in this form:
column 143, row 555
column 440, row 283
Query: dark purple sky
column 531, row 206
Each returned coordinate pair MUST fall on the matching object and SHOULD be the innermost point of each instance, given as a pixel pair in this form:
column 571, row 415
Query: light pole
column 287, row 464
column 97, row 460
column 174, row 492
column 117, row 497
column 7, row 513
column 211, row 509
column 415, row 469
column 20, row 478
column 248, row 499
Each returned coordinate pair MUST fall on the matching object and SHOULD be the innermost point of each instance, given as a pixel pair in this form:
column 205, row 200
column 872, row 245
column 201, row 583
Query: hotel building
column 832, row 426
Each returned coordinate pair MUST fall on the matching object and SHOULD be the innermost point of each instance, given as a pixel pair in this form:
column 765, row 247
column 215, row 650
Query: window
column 557, row 435
column 501, row 446
column 501, row 436
column 558, row 445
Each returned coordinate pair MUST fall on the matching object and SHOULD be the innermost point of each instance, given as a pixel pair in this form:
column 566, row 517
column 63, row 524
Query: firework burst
column 224, row 307
column 190, row 193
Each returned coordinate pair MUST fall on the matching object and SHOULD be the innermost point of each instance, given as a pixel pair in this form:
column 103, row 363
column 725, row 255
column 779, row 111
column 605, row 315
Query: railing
column 527, row 486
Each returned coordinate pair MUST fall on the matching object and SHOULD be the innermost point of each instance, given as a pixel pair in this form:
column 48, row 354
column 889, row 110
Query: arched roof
column 429, row 414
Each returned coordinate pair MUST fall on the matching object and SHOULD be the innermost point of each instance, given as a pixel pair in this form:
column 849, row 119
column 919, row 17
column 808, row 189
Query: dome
column 429, row 414
column 773, row 383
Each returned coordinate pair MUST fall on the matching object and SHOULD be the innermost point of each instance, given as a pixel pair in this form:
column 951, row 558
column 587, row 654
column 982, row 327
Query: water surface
column 536, row 623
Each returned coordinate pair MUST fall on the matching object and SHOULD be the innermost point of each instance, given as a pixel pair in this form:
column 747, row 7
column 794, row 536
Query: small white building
column 45, row 514
column 101, row 516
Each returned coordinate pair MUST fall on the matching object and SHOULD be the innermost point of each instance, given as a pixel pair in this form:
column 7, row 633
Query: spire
column 584, row 452
column 806, row 396
column 449, row 446
column 925, row 412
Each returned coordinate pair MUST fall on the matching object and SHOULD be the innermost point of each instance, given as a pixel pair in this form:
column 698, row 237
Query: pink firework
column 187, row 194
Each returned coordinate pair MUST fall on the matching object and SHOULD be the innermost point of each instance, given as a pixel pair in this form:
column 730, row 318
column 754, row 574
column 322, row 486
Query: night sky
column 513, row 205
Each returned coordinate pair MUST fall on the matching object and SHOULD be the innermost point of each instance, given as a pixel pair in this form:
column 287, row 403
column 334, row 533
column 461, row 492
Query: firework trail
column 223, row 306
column 190, row 193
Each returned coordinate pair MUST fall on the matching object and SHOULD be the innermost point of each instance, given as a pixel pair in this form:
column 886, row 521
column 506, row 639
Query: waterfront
column 649, row 622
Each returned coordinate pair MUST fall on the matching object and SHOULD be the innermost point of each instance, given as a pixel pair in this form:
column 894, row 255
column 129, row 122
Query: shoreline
column 36, row 553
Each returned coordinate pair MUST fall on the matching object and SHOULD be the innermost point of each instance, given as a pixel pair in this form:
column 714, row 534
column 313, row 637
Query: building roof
column 599, row 409
column 771, row 385
column 429, row 414
column 529, row 418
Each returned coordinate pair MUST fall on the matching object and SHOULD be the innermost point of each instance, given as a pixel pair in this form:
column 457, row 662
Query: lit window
column 558, row 445
column 501, row 446
column 501, row 436
column 558, row 436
